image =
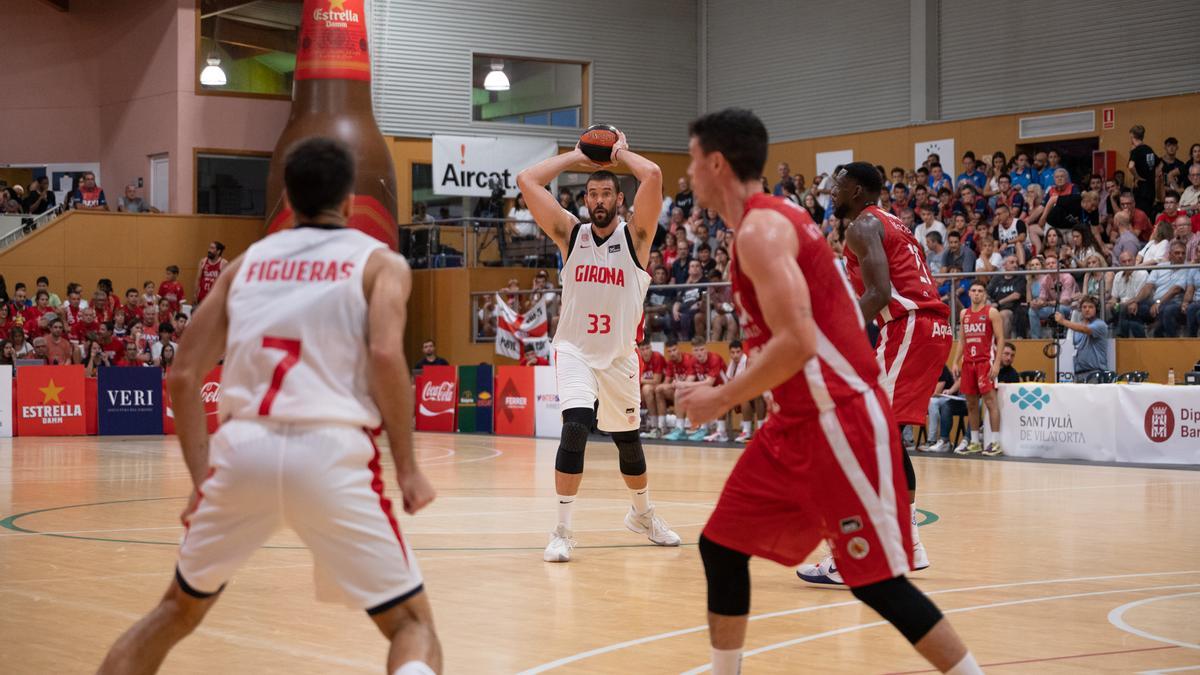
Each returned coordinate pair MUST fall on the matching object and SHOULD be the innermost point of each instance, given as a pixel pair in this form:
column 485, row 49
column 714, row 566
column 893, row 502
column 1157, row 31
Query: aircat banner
column 470, row 166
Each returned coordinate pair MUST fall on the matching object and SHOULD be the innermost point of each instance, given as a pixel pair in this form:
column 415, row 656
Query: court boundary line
column 1117, row 618
column 618, row 646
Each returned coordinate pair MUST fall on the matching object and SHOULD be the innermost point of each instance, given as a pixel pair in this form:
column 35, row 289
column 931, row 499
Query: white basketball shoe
column 560, row 546
column 649, row 524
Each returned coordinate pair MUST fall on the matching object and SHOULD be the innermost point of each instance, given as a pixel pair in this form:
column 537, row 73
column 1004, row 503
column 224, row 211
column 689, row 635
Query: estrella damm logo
column 1030, row 398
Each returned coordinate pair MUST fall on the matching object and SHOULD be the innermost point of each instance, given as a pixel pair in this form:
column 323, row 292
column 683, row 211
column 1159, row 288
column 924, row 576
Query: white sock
column 916, row 537
column 727, row 661
column 975, row 434
column 720, row 426
column 745, row 426
column 566, row 506
column 414, row 668
column 641, row 500
column 662, row 422
column 966, row 666
column 681, row 422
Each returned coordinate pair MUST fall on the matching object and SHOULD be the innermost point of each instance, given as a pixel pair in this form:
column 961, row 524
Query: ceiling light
column 213, row 76
column 496, row 80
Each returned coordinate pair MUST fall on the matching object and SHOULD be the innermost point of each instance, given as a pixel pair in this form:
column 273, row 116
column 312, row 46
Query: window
column 524, row 91
column 253, row 44
column 230, row 184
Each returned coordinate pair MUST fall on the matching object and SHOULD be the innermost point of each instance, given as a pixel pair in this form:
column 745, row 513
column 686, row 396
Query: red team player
column 652, row 368
column 981, row 327
column 826, row 465
column 708, row 368
column 680, row 369
column 299, row 391
column 895, row 290
column 211, row 266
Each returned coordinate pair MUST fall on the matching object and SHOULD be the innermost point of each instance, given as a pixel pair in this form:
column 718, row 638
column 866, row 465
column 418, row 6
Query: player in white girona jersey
column 311, row 324
column 604, row 285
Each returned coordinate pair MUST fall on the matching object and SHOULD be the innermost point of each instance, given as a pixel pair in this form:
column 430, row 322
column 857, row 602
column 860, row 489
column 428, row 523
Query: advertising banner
column 435, row 398
column 129, row 401
column 515, row 400
column 1158, row 424
column 51, row 401
column 472, row 166
column 475, row 398
column 1058, row 421
column 547, row 413
column 210, row 394
column 516, row 332
column 6, row 401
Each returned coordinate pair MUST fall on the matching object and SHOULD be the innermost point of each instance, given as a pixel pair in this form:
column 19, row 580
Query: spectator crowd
column 85, row 194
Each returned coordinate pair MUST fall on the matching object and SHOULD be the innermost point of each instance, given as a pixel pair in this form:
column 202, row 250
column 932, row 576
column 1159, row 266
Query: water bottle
column 1171, row 376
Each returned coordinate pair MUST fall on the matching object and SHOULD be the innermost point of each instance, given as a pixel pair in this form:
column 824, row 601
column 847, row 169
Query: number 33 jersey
column 604, row 287
column 912, row 285
column 297, row 344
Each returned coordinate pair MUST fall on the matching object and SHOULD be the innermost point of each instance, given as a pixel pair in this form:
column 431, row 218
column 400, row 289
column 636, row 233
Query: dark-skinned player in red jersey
column 826, row 464
column 886, row 266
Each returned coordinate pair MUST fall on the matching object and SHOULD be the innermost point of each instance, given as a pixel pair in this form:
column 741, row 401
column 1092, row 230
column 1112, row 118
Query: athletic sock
column 966, row 666
column 414, row 668
column 681, row 422
column 566, row 507
column 745, row 426
column 916, row 537
column 641, row 500
column 727, row 661
column 720, row 426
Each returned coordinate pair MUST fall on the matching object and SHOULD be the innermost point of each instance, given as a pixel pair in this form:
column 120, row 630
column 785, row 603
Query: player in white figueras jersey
column 311, row 325
column 604, row 285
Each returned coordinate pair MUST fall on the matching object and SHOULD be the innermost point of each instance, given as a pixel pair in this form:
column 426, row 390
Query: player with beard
column 896, row 291
column 604, row 288
column 827, row 462
column 210, row 268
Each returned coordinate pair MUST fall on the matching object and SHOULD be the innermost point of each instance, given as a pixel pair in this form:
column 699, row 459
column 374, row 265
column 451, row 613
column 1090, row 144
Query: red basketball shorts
column 911, row 352
column 976, row 378
column 836, row 476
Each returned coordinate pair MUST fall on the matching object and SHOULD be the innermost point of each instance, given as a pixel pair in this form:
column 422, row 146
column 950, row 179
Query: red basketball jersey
column 209, row 272
column 844, row 367
column 978, row 339
column 913, row 288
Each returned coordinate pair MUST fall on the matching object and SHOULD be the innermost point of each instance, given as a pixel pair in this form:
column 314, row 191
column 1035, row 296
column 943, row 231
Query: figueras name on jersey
column 299, row 270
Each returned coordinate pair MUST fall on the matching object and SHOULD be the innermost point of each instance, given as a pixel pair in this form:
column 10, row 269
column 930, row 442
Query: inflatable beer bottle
column 332, row 97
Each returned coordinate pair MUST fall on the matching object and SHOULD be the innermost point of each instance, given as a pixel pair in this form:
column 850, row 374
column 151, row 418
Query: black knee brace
column 728, row 575
column 577, row 422
column 905, row 607
column 909, row 475
column 629, row 452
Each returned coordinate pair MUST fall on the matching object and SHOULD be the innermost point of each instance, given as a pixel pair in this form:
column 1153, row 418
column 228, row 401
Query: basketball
column 597, row 142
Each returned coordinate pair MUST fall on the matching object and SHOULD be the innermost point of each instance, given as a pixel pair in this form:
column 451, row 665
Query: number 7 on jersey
column 291, row 356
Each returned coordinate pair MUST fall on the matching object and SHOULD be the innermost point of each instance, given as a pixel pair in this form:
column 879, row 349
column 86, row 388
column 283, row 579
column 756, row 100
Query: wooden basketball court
column 1044, row 568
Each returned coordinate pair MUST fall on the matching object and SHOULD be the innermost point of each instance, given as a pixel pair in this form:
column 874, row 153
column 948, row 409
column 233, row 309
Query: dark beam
column 60, row 5
column 258, row 37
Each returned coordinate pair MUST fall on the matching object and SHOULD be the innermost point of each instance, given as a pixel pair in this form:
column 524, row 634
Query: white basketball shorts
column 616, row 387
column 324, row 482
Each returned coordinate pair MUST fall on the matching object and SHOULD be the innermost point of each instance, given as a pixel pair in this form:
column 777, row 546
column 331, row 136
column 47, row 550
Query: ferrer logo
column 1159, row 422
column 443, row 392
column 516, row 401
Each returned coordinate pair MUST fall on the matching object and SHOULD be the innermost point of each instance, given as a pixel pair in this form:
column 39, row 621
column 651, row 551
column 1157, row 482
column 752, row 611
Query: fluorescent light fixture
column 213, row 76
column 496, row 80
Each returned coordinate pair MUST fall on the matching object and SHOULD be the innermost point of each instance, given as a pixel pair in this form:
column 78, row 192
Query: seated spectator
column 958, row 255
column 971, row 173
column 1049, row 174
column 166, row 336
column 1073, row 211
column 1191, row 299
column 1090, row 337
column 16, row 340
column 131, row 203
column 1157, row 251
column 679, row 371
column 1061, row 186
column 1035, row 207
column 1189, row 201
column 1125, row 285
column 683, row 258
column 1125, row 240
column 1170, row 209
column 954, row 291
column 132, row 357
column 89, row 196
column 121, row 324
column 1011, row 233
column 87, row 323
column 934, row 252
column 937, row 179
column 1008, row 373
column 1160, row 298
column 929, row 223
column 181, row 322
column 688, row 312
column 944, row 406
column 167, row 359
column 1007, row 293
column 149, row 297
column 708, row 368
column 722, row 319
column 1007, row 195
column 429, row 357
column 969, row 202
column 6, row 354
column 95, row 356
column 1056, row 290
column 520, row 223
column 532, row 358
column 59, row 350
column 1142, row 226
column 100, row 305
column 989, row 259
column 660, row 301
column 652, row 369
column 39, row 350
column 810, row 204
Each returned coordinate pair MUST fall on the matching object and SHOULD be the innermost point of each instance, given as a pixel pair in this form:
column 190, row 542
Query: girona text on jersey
column 299, row 270
column 595, row 274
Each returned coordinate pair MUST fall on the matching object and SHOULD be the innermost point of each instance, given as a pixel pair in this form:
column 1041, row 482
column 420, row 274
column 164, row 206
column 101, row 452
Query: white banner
column 6, row 409
column 1059, row 421
column 515, row 332
column 547, row 414
column 944, row 149
column 1158, row 424
column 468, row 166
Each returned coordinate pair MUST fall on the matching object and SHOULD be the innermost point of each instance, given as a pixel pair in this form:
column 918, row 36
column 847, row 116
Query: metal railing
column 14, row 226
column 475, row 242
column 484, row 331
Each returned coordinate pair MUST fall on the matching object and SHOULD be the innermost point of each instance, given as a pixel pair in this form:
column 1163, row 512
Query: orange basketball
column 597, row 142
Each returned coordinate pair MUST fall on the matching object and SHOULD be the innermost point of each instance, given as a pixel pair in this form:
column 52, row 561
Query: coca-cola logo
column 210, row 393
column 443, row 392
column 1160, row 422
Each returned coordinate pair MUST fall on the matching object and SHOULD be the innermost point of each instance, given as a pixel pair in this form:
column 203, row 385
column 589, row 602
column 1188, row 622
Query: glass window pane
column 255, row 43
column 536, row 91
column 231, row 184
